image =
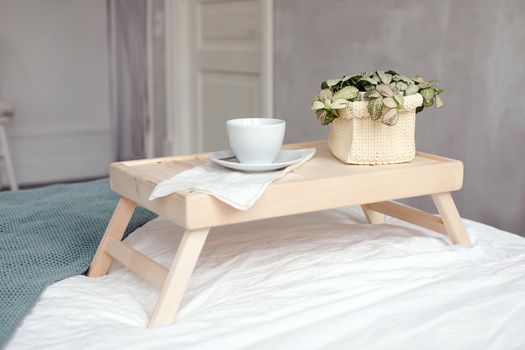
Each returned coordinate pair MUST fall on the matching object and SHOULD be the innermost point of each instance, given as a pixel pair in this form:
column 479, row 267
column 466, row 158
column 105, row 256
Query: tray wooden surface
column 322, row 183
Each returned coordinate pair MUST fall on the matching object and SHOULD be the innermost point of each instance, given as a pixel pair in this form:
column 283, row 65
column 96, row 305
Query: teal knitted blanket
column 47, row 235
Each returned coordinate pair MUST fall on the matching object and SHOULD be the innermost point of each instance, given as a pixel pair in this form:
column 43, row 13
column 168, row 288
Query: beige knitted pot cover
column 357, row 139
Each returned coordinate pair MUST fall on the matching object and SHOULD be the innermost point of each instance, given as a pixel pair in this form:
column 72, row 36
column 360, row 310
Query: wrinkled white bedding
column 302, row 282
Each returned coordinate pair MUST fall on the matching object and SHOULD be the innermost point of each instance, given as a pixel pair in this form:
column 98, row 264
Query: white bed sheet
column 303, row 282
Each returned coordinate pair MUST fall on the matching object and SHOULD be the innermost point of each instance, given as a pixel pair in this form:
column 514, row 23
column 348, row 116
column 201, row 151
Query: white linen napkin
column 238, row 189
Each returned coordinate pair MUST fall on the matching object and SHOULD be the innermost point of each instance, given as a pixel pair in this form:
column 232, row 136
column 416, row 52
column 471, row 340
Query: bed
column 324, row 284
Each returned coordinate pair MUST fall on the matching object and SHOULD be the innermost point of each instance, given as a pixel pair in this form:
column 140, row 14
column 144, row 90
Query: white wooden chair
column 6, row 113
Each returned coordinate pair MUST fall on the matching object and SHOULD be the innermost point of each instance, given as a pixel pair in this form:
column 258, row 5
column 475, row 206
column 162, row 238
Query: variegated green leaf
column 372, row 94
column 411, row 89
column 405, row 79
column 394, row 88
column 384, row 90
column 390, row 117
column 332, row 82
column 369, row 88
column 389, row 102
column 339, row 104
column 424, row 85
column 428, row 96
column 375, row 108
column 316, row 105
column 325, row 94
column 439, row 102
column 401, row 85
column 385, row 77
column 370, row 80
column 321, row 115
column 348, row 92
column 399, row 99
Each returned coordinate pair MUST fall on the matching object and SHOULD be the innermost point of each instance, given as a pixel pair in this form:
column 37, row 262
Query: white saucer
column 285, row 158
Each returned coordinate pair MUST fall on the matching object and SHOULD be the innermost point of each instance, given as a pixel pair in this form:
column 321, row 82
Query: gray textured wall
column 476, row 49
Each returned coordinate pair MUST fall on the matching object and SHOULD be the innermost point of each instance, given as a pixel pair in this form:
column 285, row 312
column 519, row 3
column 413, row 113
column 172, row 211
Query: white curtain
column 128, row 61
column 157, row 78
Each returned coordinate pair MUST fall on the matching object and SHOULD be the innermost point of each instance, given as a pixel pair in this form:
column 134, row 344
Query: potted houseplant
column 372, row 115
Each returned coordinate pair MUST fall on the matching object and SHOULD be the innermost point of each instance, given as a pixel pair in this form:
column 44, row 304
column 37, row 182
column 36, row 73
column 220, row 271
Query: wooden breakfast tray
column 322, row 183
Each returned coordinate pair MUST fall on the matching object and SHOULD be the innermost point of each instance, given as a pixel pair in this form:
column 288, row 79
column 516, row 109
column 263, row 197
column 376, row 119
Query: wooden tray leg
column 451, row 219
column 116, row 228
column 373, row 217
column 181, row 269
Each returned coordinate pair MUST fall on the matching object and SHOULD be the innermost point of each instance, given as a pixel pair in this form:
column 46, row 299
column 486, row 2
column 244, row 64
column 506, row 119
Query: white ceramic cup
column 256, row 140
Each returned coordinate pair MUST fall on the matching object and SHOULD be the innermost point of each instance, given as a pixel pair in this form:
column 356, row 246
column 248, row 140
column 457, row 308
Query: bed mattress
column 316, row 281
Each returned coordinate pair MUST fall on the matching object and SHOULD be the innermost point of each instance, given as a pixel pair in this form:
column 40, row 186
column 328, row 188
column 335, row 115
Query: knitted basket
column 357, row 139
